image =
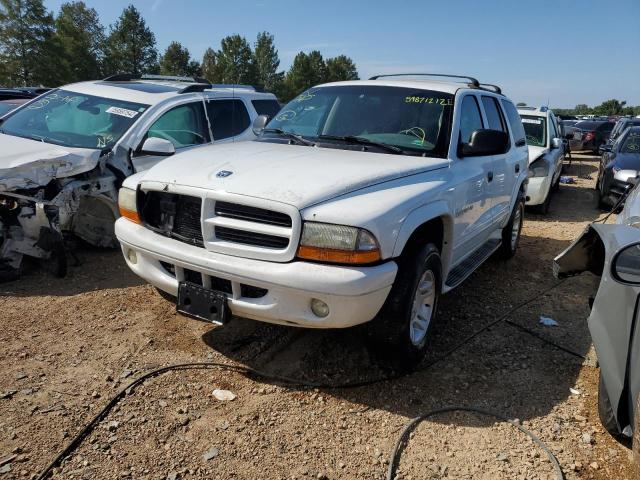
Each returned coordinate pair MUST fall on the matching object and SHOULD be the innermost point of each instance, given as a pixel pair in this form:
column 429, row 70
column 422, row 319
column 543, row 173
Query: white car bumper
column 354, row 294
column 537, row 190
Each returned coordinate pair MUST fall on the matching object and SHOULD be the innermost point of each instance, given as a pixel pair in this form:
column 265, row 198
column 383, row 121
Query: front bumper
column 537, row 190
column 354, row 294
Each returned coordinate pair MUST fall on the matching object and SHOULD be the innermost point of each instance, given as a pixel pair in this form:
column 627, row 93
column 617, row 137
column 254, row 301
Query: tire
column 510, row 243
column 605, row 411
column 398, row 332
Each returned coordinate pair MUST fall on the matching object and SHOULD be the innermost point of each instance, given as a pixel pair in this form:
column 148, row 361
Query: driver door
column 185, row 126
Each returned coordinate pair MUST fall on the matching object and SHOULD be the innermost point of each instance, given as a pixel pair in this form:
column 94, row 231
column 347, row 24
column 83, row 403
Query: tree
column 194, row 69
column 235, row 61
column 27, row 45
column 582, row 109
column 131, row 45
column 341, row 68
column 81, row 38
column 266, row 62
column 307, row 70
column 175, row 60
column 610, row 107
column 209, row 67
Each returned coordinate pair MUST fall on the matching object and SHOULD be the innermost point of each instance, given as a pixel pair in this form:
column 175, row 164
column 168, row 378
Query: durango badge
column 223, row 173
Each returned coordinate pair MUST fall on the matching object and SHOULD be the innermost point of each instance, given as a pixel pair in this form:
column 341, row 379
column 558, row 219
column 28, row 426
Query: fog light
column 319, row 308
column 131, row 255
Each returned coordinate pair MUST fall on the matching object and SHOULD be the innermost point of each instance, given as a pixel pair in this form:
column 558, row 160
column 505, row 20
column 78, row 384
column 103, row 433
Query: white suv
column 64, row 155
column 546, row 155
column 361, row 201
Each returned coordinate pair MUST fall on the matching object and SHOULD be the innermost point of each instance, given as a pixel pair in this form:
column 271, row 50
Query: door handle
column 517, row 168
column 489, row 177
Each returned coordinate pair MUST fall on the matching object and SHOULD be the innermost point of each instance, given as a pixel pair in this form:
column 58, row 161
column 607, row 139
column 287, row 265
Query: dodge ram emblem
column 223, row 173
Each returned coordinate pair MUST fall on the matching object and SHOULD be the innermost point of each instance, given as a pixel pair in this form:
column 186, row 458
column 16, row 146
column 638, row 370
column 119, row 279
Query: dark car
column 619, row 167
column 7, row 105
column 594, row 133
column 21, row 92
column 619, row 128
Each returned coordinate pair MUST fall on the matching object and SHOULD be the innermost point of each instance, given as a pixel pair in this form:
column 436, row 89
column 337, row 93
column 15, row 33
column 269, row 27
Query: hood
column 297, row 175
column 26, row 163
column 536, row 152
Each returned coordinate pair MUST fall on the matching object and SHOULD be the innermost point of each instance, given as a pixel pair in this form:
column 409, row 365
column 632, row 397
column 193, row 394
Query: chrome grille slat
column 252, row 214
column 251, row 238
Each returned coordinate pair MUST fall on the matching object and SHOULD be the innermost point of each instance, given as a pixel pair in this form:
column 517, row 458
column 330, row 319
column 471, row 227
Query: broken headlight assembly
column 127, row 204
column 539, row 168
column 324, row 242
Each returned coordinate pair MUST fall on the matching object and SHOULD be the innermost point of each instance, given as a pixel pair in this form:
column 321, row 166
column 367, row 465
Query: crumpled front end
column 42, row 200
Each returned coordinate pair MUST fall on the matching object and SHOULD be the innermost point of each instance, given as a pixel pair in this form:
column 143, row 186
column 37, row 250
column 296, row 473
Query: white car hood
column 297, row 175
column 536, row 152
column 26, row 163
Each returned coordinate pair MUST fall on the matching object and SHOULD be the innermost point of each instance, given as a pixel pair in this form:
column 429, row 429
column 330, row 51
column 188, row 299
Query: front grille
column 251, row 238
column 252, row 214
column 172, row 215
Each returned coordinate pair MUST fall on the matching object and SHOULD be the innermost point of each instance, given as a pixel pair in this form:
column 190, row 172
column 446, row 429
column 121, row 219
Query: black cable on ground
column 545, row 340
column 394, row 460
column 88, row 428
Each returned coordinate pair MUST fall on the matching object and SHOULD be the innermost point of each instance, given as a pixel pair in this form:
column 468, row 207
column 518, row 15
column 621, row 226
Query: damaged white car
column 64, row 155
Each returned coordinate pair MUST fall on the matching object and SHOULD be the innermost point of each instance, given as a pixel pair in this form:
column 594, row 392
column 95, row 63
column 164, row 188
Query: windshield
column 536, row 130
column 416, row 121
column 631, row 143
column 73, row 120
column 7, row 107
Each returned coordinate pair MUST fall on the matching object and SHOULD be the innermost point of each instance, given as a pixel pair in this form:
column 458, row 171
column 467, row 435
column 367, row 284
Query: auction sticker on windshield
column 532, row 120
column 123, row 112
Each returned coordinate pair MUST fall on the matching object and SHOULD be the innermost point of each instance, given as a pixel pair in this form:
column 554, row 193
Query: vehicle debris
column 548, row 322
column 224, row 395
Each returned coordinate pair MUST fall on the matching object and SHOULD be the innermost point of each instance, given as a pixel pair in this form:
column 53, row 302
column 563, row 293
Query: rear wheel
column 512, row 230
column 605, row 410
column 401, row 330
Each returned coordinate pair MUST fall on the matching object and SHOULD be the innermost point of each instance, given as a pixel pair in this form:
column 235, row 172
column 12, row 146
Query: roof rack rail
column 472, row 81
column 121, row 77
column 196, row 87
column 236, row 85
column 495, row 88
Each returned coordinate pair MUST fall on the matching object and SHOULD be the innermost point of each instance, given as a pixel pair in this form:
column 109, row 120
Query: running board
column 473, row 261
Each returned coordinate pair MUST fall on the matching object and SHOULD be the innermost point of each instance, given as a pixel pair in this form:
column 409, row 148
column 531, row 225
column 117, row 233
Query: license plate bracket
column 202, row 303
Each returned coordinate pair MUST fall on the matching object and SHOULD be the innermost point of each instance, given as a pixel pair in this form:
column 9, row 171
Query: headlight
column 539, row 168
column 338, row 244
column 127, row 204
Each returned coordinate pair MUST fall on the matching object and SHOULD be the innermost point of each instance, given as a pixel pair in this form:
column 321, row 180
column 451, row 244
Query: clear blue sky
column 566, row 51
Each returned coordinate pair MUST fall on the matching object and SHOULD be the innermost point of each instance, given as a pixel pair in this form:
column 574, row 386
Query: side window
column 492, row 111
column 515, row 122
column 266, row 107
column 228, row 118
column 184, row 126
column 554, row 129
column 470, row 118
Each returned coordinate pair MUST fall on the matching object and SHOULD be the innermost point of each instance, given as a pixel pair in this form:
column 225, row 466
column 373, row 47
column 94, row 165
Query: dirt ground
column 68, row 345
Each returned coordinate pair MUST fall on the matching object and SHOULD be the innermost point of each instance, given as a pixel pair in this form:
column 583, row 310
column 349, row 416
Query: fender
column 418, row 217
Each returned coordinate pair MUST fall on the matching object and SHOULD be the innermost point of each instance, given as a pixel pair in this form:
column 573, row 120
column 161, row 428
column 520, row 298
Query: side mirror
column 259, row 124
column 556, row 143
column 569, row 136
column 485, row 142
column 158, row 147
column 626, row 265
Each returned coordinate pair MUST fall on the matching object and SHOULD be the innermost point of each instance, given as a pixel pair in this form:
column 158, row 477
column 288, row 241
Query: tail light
column 589, row 136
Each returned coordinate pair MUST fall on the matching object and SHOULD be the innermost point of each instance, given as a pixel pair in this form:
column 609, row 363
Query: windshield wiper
column 290, row 135
column 363, row 141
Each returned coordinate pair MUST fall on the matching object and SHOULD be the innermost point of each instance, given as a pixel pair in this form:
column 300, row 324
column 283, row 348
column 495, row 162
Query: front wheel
column 512, row 231
column 401, row 329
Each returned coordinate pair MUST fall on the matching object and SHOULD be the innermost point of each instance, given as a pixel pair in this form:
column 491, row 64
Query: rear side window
column 269, row 108
column 470, row 118
column 606, row 127
column 228, row 118
column 514, row 122
column 492, row 111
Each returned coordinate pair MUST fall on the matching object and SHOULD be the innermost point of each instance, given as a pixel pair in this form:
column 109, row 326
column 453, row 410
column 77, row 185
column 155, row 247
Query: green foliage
column 82, row 39
column 266, row 62
column 131, row 45
column 28, row 49
column 235, row 61
column 607, row 108
column 176, row 60
column 341, row 68
column 210, row 66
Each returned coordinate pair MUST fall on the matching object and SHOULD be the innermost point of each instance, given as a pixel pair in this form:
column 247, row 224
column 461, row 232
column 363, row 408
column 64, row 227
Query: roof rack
column 255, row 88
column 495, row 88
column 196, row 87
column 128, row 77
column 472, row 81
